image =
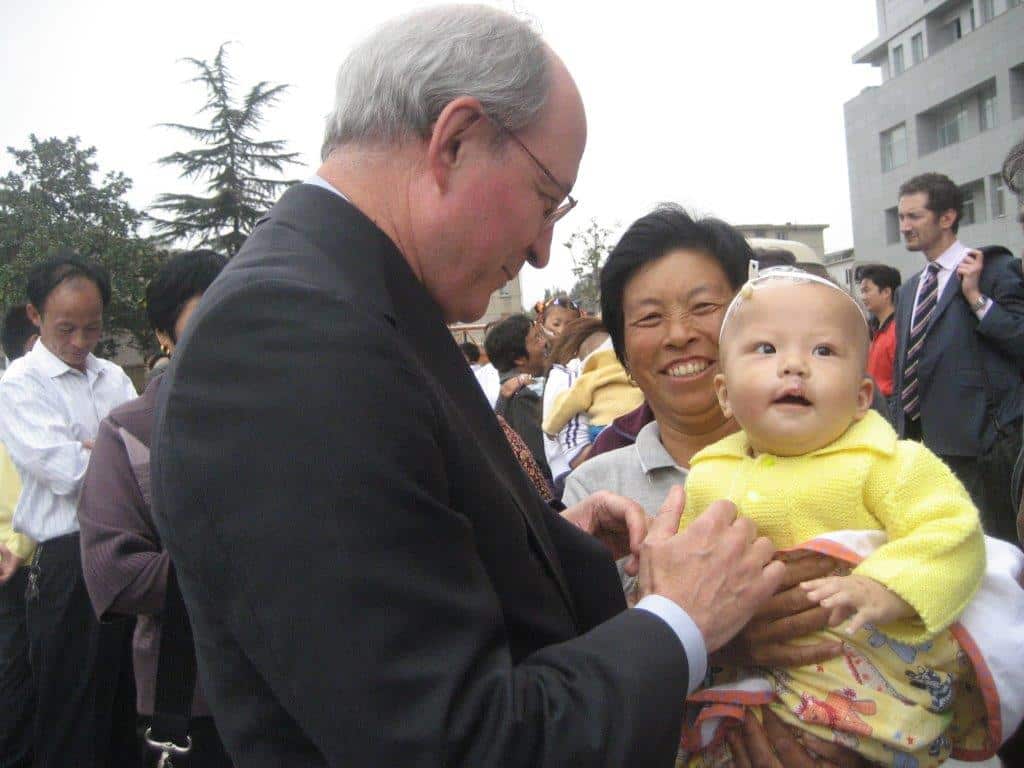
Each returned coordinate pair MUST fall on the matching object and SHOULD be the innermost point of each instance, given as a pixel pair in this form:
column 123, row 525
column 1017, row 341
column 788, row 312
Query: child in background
column 813, row 459
column 555, row 313
column 602, row 392
column 570, row 445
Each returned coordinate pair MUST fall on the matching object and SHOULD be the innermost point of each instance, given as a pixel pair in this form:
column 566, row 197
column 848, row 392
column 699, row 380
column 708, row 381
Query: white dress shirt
column 947, row 263
column 47, row 409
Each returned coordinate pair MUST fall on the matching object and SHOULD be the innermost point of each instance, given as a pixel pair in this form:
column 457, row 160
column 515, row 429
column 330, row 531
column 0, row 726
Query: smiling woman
column 664, row 292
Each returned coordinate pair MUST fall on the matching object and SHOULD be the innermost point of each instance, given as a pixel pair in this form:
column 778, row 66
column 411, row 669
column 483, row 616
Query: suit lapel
column 904, row 309
column 948, row 294
column 419, row 320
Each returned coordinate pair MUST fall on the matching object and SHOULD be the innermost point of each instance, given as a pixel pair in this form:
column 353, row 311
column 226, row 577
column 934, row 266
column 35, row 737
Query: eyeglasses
column 568, row 203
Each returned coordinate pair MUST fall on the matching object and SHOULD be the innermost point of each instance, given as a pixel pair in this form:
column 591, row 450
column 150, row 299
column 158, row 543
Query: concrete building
column 507, row 300
column 811, row 235
column 951, row 101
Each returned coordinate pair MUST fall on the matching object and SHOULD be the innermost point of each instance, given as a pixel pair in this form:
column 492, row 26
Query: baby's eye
column 823, row 350
column 764, row 348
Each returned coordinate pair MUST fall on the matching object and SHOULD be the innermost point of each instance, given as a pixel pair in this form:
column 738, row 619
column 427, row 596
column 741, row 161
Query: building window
column 897, row 60
column 894, row 147
column 974, row 23
column 988, row 11
column 892, row 226
column 917, row 48
column 951, row 125
column 969, row 213
column 998, row 196
column 1012, row 4
column 987, row 110
column 953, row 30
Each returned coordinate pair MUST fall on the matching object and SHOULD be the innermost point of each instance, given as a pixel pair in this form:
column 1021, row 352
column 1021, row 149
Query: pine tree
column 231, row 161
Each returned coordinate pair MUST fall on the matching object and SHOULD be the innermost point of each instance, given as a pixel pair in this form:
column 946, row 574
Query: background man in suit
column 370, row 577
column 960, row 337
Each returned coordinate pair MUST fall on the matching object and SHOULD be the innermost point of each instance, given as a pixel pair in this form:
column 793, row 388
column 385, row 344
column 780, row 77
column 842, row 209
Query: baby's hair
column 792, row 276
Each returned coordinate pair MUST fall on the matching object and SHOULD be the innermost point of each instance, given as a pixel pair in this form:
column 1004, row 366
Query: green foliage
column 230, row 160
column 52, row 201
column 589, row 248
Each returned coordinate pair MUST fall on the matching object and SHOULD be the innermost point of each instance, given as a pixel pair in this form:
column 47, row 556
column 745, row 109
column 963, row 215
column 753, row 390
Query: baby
column 815, row 468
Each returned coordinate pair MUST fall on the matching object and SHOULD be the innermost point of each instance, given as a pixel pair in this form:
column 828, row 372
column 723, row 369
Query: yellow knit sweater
column 865, row 480
column 10, row 488
column 603, row 391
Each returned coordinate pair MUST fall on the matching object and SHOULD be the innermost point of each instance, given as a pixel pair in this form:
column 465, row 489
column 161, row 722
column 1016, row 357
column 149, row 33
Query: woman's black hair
column 17, row 330
column 506, row 341
column 45, row 276
column 180, row 278
column 667, row 228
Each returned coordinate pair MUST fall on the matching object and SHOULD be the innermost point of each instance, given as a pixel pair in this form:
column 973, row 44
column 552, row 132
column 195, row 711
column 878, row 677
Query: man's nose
column 540, row 251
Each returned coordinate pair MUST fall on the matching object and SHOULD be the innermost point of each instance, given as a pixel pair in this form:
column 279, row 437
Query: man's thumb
column 666, row 524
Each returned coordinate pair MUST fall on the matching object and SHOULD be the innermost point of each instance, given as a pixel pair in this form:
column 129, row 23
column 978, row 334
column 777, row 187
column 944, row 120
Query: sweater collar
column 871, row 433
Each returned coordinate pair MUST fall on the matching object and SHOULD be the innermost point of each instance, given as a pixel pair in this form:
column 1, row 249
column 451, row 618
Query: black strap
column 175, row 671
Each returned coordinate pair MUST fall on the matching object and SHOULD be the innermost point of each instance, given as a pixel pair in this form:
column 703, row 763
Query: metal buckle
column 167, row 749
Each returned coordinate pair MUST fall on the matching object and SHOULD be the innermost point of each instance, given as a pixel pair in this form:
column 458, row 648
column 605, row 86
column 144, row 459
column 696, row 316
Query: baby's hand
column 864, row 599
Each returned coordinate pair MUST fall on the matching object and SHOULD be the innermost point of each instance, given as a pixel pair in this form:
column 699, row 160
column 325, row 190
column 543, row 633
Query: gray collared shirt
column 644, row 472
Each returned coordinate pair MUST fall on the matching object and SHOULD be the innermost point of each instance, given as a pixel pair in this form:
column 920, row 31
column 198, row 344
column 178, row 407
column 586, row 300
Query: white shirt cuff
column 687, row 632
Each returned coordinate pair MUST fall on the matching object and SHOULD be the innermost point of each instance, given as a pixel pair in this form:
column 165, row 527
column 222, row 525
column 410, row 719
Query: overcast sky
column 733, row 109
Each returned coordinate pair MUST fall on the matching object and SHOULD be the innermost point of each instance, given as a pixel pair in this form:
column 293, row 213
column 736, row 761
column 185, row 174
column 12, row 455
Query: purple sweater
column 124, row 564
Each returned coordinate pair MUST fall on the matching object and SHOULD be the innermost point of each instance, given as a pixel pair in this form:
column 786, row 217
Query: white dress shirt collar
column 319, row 181
column 952, row 256
column 53, row 366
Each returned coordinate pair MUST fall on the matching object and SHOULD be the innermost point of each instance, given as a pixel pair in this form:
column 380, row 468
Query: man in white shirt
column 960, row 348
column 51, row 403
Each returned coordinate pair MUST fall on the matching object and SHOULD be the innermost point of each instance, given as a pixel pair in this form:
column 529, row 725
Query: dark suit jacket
column 958, row 352
column 371, row 578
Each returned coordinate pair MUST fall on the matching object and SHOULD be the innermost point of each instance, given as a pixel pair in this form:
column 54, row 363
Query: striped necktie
column 926, row 301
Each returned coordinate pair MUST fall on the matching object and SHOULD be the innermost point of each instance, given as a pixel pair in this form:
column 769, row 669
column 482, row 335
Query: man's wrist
column 686, row 630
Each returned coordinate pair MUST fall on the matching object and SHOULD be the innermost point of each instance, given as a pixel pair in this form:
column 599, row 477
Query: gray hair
column 395, row 84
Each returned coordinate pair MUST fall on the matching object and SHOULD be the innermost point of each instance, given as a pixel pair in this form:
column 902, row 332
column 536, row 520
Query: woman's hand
column 773, row 744
column 787, row 615
column 618, row 522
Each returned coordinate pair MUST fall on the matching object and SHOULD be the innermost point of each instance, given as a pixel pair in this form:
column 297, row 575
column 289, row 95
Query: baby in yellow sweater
column 813, row 459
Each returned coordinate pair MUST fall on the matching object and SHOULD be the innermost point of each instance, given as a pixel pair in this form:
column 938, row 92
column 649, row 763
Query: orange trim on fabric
column 989, row 692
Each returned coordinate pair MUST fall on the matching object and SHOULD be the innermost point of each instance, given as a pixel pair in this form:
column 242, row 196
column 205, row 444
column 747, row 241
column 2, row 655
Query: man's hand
column 970, row 275
column 867, row 601
column 9, row 564
column 785, row 616
column 514, row 384
column 618, row 522
column 717, row 570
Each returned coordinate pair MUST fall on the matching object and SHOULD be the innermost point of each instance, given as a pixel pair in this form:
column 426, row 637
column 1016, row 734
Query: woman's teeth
column 691, row 368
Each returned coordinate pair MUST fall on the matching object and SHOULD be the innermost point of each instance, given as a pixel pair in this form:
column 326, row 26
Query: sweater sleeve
column 576, row 399
column 935, row 556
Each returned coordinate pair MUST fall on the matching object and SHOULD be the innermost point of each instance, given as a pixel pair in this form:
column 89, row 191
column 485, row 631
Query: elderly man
column 371, row 578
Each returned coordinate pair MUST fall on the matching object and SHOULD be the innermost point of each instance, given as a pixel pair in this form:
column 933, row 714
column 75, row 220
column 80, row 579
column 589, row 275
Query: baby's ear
column 722, row 391
column 865, row 393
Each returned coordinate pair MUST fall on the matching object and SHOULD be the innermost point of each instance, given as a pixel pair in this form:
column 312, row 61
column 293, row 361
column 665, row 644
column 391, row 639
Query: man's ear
column 947, row 218
column 722, row 391
column 865, row 393
column 521, row 361
column 444, row 147
column 34, row 315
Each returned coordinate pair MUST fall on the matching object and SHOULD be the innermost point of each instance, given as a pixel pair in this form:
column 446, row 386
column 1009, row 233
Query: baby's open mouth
column 792, row 400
